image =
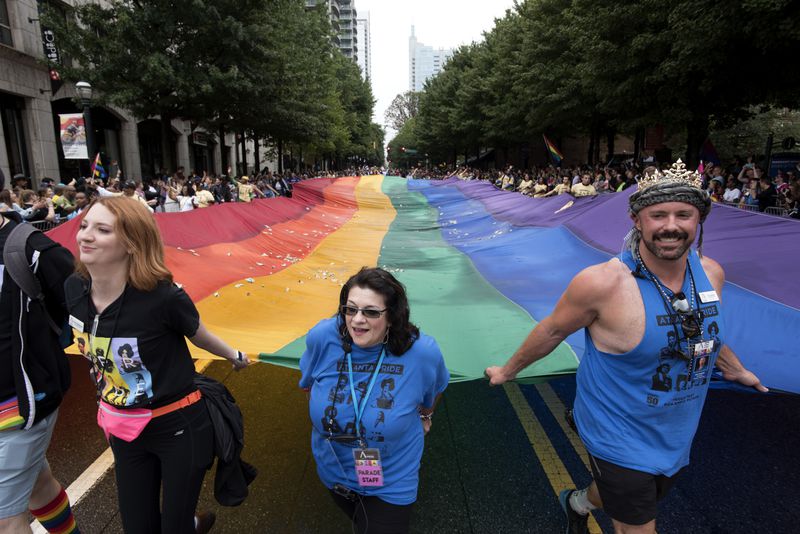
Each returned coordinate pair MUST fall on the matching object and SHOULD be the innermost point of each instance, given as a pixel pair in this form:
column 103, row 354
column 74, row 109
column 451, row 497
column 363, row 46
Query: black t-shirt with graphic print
column 139, row 354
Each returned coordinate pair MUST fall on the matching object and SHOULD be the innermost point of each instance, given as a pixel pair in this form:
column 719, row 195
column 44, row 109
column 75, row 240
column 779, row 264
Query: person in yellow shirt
column 584, row 188
column 560, row 189
column 540, row 189
column 525, row 185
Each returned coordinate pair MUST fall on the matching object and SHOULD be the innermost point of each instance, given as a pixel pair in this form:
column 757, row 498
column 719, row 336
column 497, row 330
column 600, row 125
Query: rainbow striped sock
column 56, row 516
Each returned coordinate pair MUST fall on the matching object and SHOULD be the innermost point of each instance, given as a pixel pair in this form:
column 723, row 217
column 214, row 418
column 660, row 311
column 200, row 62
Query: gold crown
column 677, row 174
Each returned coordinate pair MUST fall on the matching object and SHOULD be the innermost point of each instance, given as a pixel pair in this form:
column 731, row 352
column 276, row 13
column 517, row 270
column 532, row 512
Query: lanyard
column 359, row 407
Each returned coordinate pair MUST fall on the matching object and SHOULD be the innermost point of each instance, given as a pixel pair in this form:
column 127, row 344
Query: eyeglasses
column 369, row 313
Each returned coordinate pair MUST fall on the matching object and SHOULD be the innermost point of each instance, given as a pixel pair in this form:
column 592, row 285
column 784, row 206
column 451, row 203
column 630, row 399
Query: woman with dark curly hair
column 374, row 380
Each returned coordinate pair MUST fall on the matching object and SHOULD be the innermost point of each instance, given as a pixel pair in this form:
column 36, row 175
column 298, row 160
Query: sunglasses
column 369, row 313
column 690, row 326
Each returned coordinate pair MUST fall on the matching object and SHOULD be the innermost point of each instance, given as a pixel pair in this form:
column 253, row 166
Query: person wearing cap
column 650, row 306
column 129, row 190
column 247, row 191
column 20, row 181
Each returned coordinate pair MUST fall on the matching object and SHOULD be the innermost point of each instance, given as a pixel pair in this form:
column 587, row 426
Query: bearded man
column 637, row 406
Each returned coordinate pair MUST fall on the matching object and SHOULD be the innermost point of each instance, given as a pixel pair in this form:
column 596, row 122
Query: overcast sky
column 437, row 23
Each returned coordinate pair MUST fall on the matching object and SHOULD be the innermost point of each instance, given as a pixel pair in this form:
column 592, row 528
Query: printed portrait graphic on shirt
column 661, row 379
column 117, row 368
column 385, row 400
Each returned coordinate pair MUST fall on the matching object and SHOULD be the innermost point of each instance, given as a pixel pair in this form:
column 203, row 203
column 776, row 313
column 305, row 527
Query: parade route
column 494, row 462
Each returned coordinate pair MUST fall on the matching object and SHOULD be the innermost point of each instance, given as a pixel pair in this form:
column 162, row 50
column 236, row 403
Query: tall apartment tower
column 344, row 18
column 364, row 46
column 424, row 62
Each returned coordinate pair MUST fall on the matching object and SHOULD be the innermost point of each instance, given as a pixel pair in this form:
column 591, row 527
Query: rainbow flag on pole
column 98, row 171
column 555, row 153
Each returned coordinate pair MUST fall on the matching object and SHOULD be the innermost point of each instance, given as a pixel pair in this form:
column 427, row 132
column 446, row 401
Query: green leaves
column 571, row 66
column 266, row 67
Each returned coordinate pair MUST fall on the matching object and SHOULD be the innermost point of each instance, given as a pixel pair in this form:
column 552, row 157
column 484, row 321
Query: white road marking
column 89, row 478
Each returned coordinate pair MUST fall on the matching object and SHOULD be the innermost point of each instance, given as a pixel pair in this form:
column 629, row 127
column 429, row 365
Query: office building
column 424, row 62
column 364, row 46
column 343, row 17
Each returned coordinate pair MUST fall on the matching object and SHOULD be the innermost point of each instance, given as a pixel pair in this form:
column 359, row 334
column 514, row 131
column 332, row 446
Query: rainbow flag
column 554, row 152
column 481, row 266
column 98, row 171
column 9, row 414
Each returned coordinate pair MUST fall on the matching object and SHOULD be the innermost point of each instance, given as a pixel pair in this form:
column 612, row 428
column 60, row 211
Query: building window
column 5, row 25
column 11, row 113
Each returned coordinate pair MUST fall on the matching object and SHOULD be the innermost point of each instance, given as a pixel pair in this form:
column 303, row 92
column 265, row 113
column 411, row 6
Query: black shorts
column 628, row 495
column 373, row 515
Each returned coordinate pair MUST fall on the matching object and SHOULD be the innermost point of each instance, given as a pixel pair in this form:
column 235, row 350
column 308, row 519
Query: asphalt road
column 494, row 462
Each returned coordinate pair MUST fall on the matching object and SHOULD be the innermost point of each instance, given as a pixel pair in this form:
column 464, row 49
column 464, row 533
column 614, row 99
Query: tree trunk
column 244, row 154
column 280, row 156
column 590, row 154
column 596, row 156
column 696, row 134
column 167, row 164
column 611, row 134
column 638, row 142
column 223, row 154
column 256, row 158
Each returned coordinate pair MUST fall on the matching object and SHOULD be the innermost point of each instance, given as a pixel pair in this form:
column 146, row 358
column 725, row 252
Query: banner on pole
column 73, row 136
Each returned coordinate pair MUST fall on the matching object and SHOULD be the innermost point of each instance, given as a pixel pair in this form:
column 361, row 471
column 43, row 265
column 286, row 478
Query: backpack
column 18, row 268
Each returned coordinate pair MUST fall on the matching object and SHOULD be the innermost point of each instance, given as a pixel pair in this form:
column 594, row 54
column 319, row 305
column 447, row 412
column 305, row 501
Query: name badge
column 709, row 296
column 369, row 471
column 704, row 348
column 76, row 323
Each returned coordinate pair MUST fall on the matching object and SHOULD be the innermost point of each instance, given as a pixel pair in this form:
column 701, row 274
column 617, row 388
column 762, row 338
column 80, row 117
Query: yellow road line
column 557, row 408
column 553, row 467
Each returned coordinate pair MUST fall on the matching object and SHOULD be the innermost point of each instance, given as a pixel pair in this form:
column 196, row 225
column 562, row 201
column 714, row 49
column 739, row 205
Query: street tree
column 404, row 106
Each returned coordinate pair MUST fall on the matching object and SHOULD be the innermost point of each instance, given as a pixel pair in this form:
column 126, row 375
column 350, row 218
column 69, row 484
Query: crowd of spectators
column 55, row 203
column 744, row 184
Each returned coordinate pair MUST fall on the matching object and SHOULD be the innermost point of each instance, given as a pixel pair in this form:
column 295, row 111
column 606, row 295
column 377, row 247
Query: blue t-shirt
column 641, row 409
column 390, row 422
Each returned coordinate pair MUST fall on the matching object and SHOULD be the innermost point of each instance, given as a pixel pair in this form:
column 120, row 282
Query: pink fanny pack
column 128, row 423
column 125, row 424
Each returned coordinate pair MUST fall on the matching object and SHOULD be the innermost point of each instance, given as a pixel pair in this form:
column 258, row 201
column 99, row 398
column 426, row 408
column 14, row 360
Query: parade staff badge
column 704, row 348
column 369, row 471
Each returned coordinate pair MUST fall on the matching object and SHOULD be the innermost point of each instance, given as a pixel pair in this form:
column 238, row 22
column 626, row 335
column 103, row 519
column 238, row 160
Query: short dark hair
column 403, row 332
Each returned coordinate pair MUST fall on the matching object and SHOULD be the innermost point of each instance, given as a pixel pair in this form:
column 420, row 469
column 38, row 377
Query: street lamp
column 84, row 90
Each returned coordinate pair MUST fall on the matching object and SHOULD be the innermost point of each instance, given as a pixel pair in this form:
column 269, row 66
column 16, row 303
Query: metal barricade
column 45, row 226
column 749, row 207
column 777, row 212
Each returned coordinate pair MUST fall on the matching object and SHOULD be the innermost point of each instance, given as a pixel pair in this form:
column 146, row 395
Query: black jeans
column 174, row 452
column 372, row 515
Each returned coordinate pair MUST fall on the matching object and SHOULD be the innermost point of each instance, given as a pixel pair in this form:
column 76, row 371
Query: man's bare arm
column 577, row 308
column 728, row 363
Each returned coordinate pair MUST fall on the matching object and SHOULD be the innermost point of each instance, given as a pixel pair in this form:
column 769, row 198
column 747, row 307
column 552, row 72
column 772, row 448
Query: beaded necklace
column 676, row 316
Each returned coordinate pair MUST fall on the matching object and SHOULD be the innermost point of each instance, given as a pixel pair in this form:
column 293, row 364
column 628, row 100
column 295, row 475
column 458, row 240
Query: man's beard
column 652, row 245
